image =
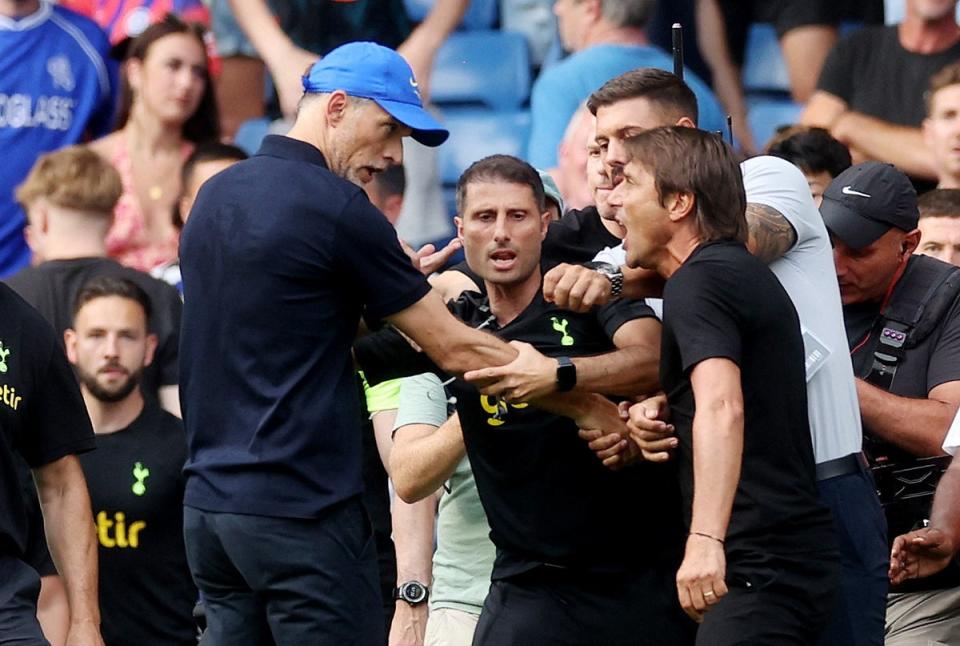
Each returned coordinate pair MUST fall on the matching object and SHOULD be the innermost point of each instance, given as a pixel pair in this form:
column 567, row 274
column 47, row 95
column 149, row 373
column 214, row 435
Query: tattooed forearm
column 771, row 235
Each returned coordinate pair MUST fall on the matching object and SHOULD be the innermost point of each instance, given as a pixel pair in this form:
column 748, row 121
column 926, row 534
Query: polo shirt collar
column 293, row 149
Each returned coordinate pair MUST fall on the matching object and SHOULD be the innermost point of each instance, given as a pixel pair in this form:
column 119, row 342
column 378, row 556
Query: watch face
column 413, row 592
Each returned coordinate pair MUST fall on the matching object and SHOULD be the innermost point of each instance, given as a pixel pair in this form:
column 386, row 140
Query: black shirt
column 548, row 499
column 575, row 238
column 136, row 487
column 707, row 314
column 52, row 288
column 872, row 72
column 279, row 258
column 42, row 415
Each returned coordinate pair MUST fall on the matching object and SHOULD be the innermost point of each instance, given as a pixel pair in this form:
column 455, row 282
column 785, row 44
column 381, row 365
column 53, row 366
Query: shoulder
column 106, row 146
column 22, row 321
column 864, row 41
column 82, row 28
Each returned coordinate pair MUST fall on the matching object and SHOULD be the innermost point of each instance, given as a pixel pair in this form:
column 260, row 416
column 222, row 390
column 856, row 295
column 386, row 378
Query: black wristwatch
column 612, row 272
column 566, row 374
column 413, row 592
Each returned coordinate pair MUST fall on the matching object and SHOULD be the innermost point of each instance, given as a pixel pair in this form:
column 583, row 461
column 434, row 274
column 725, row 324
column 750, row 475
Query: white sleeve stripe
column 88, row 49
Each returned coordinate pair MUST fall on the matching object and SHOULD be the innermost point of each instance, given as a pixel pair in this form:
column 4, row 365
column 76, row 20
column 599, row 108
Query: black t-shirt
column 707, row 314
column 575, row 238
column 548, row 499
column 279, row 258
column 136, row 487
column 42, row 415
column 872, row 72
column 52, row 288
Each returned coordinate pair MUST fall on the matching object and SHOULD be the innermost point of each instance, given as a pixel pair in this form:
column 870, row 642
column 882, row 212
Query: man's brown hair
column 667, row 92
column 940, row 203
column 75, row 178
column 949, row 75
column 687, row 160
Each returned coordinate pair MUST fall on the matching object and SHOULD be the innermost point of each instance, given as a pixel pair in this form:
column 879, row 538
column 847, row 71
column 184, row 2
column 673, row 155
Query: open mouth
column 503, row 259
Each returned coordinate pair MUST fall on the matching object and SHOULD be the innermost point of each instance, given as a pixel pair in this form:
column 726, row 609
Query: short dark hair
column 391, row 181
column 204, row 124
column 940, row 203
column 812, row 150
column 949, row 75
column 103, row 286
column 687, row 160
column 501, row 168
column 204, row 152
column 666, row 91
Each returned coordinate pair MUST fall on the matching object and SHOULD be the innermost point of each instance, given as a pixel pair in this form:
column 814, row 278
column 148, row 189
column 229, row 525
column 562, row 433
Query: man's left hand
column 529, row 376
column 920, row 553
column 576, row 288
column 427, row 259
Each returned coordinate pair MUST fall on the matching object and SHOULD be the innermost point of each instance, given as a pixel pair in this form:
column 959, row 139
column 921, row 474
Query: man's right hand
column 649, row 429
column 409, row 624
column 576, row 288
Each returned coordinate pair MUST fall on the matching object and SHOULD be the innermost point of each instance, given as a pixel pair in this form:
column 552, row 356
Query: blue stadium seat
column 481, row 14
column 766, row 114
column 476, row 133
column 250, row 133
column 763, row 67
column 487, row 67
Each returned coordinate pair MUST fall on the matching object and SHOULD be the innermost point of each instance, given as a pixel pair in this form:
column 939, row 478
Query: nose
column 393, row 153
column 616, row 155
column 501, row 232
column 840, row 263
column 111, row 346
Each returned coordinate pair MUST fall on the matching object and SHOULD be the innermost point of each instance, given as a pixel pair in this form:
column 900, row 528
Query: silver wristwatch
column 612, row 272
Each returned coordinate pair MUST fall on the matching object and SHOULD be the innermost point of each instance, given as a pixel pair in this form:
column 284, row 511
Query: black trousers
column 788, row 602
column 552, row 607
column 19, row 587
column 286, row 581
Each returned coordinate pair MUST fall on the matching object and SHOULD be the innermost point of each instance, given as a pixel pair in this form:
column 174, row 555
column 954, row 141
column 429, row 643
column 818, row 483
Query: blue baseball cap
column 371, row 71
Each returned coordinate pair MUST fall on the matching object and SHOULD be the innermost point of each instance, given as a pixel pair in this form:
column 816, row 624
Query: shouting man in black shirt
column 760, row 564
column 135, row 479
column 577, row 562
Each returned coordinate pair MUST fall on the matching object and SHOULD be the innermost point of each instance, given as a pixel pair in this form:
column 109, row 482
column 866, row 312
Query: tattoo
column 771, row 235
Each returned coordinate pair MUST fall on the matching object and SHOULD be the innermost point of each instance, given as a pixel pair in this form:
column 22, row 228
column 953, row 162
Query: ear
column 594, row 10
column 927, row 131
column 685, row 122
column 680, row 205
column 545, row 219
column 70, row 343
column 336, row 107
column 910, row 242
column 457, row 220
column 151, row 349
column 134, row 70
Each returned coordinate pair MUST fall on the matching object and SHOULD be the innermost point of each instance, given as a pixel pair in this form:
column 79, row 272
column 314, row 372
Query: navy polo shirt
column 279, row 259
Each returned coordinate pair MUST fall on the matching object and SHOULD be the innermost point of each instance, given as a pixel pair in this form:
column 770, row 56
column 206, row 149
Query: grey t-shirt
column 464, row 557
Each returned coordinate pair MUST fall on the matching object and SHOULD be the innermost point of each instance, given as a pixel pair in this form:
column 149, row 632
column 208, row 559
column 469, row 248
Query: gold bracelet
column 719, row 540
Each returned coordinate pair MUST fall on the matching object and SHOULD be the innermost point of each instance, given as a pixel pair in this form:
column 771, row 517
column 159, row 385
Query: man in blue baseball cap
column 280, row 256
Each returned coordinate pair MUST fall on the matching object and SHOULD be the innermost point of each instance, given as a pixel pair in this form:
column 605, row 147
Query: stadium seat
column 481, row 14
column 250, row 133
column 476, row 133
column 486, row 67
column 763, row 67
column 765, row 115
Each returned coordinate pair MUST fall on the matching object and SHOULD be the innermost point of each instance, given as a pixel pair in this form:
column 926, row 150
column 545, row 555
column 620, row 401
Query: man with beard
column 135, row 479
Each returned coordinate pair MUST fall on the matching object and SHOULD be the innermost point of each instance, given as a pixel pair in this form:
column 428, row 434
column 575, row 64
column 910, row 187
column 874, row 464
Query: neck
column 603, row 33
column 75, row 234
column 922, row 36
column 507, row 301
column 675, row 253
column 110, row 417
column 149, row 135
column 949, row 181
column 303, row 130
column 18, row 8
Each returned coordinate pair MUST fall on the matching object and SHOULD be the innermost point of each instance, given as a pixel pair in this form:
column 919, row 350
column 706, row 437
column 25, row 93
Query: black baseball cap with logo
column 867, row 200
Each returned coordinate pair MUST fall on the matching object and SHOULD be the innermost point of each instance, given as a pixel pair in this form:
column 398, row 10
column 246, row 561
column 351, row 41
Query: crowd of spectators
column 479, row 488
